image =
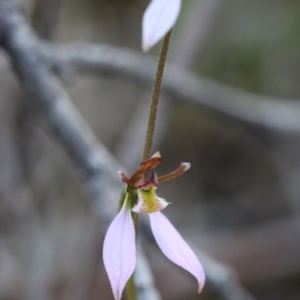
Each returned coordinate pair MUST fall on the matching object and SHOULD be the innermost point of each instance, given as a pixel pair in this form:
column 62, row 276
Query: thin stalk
column 130, row 286
column 155, row 96
column 130, row 289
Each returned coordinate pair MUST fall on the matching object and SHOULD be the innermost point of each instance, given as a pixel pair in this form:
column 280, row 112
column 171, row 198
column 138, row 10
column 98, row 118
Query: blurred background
column 240, row 201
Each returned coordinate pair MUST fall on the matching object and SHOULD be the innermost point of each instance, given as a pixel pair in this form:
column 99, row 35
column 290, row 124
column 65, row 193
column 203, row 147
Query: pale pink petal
column 175, row 247
column 119, row 251
column 159, row 17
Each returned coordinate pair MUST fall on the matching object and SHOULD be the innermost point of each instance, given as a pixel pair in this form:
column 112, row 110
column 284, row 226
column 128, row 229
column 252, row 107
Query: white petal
column 159, row 17
column 148, row 202
column 162, row 203
column 119, row 251
column 139, row 207
column 175, row 247
column 186, row 166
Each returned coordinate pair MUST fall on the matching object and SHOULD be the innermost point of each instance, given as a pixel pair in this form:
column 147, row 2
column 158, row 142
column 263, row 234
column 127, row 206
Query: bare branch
column 268, row 112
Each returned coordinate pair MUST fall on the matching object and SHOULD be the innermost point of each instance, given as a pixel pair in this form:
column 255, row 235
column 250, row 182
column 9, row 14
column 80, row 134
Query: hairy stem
column 130, row 286
column 155, row 96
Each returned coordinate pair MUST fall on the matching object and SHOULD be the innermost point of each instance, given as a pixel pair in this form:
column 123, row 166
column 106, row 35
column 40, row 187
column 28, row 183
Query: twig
column 267, row 112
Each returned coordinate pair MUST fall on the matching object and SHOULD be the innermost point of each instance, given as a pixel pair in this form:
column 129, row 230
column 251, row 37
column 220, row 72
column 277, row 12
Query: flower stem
column 130, row 286
column 155, row 96
column 130, row 289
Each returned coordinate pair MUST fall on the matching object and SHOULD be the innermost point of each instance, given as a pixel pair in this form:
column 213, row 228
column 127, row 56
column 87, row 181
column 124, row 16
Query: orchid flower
column 119, row 249
column 159, row 17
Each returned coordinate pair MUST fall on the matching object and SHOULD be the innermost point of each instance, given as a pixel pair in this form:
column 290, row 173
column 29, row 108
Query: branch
column 267, row 112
